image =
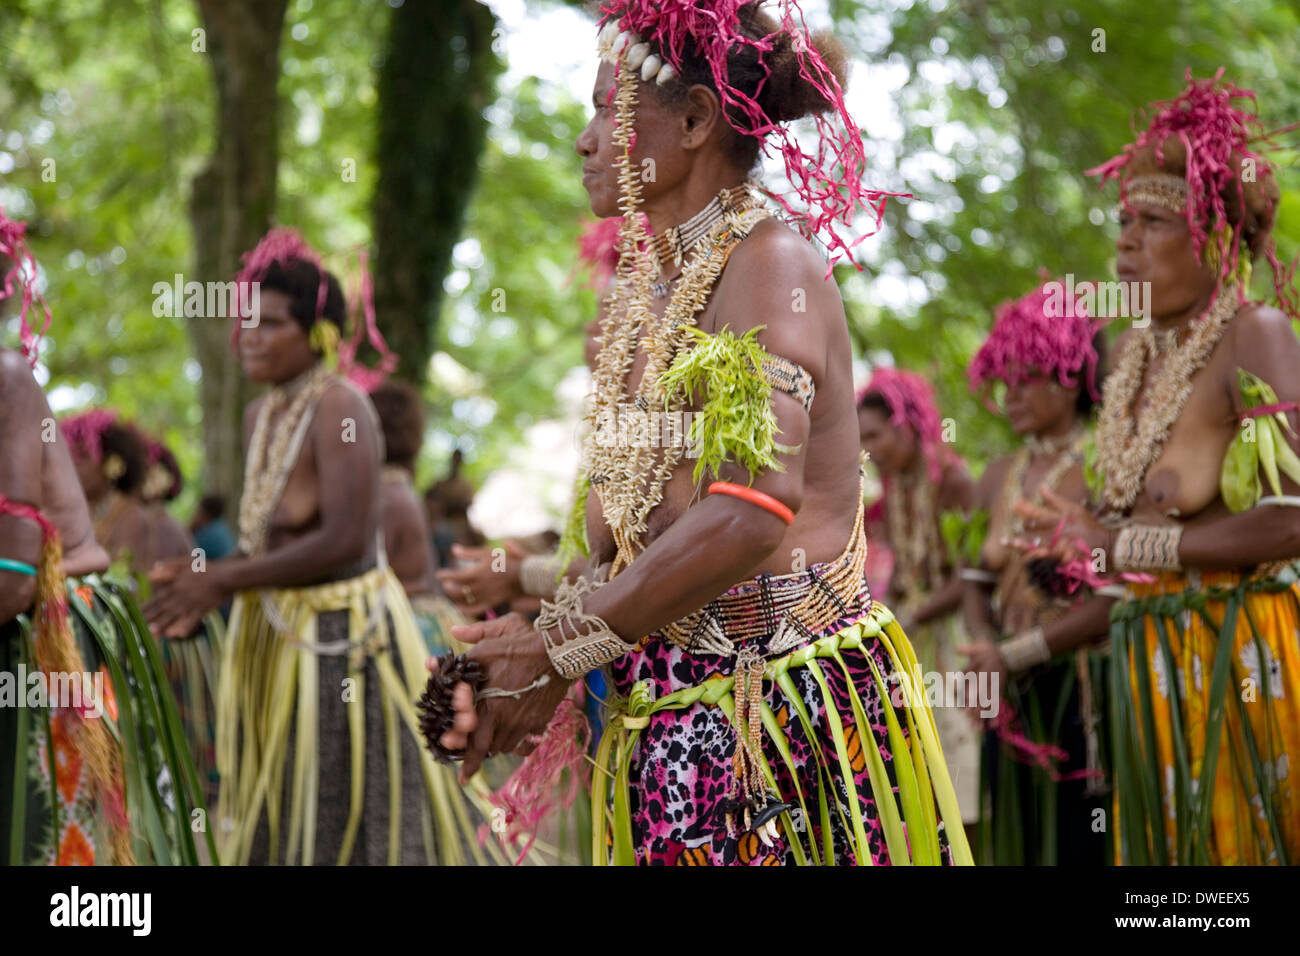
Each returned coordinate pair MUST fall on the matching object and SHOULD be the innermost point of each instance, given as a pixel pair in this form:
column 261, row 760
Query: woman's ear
column 701, row 115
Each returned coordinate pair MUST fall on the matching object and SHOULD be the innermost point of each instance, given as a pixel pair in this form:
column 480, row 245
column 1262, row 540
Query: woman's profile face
column 595, row 144
column 660, row 157
column 1155, row 246
column 892, row 449
column 94, row 484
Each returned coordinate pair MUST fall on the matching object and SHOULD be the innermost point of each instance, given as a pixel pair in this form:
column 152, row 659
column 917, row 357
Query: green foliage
column 736, row 423
column 574, row 540
column 515, row 311
column 964, row 535
column 1260, row 445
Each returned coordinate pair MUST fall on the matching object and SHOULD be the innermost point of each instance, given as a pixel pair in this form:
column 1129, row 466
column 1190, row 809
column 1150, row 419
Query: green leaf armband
column 736, row 376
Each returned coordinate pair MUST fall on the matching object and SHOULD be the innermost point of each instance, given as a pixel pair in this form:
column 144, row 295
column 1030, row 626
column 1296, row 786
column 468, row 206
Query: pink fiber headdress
column 85, row 430
column 1025, row 336
column 828, row 183
column 598, row 249
column 363, row 302
column 286, row 246
column 911, row 401
column 13, row 247
column 1216, row 136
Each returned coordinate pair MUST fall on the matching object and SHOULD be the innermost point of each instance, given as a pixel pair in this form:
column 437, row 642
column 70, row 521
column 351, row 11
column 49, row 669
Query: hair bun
column 787, row 95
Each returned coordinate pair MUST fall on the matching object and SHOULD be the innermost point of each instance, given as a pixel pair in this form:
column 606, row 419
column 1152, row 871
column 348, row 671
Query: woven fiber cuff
column 1025, row 650
column 791, row 378
column 577, row 642
column 537, row 574
column 1141, row 547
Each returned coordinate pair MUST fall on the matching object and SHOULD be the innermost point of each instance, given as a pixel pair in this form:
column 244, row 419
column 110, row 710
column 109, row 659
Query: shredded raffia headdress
column 911, row 402
column 85, row 430
column 22, row 269
column 1024, row 335
column 286, row 246
column 652, row 37
column 1217, row 137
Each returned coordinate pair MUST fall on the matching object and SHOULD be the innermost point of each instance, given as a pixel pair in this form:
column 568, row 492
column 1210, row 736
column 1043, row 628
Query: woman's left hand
column 182, row 596
column 1060, row 529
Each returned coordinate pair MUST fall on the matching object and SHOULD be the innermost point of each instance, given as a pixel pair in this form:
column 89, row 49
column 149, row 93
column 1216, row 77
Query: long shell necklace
column 1130, row 440
column 272, row 456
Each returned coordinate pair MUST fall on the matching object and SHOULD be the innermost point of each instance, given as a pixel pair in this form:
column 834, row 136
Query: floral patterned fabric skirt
column 1207, row 731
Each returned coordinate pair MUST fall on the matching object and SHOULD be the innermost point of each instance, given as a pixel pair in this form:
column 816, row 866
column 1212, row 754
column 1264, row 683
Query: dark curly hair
column 125, row 442
column 401, row 414
column 300, row 281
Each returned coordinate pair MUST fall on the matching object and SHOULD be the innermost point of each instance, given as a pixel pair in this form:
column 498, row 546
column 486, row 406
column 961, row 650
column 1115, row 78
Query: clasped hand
column 513, row 656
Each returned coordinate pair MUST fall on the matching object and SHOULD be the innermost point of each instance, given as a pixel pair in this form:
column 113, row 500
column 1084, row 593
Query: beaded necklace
column 1130, row 440
column 629, row 478
column 1065, row 455
column 271, row 457
column 918, row 553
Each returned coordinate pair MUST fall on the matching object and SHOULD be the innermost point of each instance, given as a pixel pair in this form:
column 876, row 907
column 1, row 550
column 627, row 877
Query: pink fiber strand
column 1025, row 337
column 538, row 787
column 85, row 430
column 22, row 271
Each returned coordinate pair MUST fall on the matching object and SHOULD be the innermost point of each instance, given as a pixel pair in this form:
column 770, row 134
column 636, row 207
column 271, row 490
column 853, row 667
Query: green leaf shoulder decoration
column 574, row 540
column 1259, row 445
column 736, row 423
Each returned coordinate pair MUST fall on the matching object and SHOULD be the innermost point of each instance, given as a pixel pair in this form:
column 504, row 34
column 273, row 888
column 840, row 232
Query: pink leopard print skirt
column 681, row 771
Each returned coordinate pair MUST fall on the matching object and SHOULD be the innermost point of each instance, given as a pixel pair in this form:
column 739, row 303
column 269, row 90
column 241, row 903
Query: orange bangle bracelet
column 754, row 497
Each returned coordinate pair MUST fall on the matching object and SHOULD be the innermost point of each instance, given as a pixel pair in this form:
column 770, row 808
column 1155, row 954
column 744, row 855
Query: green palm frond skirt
column 318, row 745
column 48, row 812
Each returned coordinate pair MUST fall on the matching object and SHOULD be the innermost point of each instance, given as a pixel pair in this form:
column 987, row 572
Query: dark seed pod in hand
column 434, row 705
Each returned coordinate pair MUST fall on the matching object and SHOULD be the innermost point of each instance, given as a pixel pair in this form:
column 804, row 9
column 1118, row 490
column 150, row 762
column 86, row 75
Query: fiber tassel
column 537, row 788
column 750, row 804
column 57, row 652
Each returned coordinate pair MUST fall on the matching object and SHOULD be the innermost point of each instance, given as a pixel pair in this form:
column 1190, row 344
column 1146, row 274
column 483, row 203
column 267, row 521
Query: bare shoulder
column 344, row 400
column 991, row 481
column 777, row 279
column 16, row 375
column 401, row 502
column 344, row 417
column 1260, row 331
column 956, row 487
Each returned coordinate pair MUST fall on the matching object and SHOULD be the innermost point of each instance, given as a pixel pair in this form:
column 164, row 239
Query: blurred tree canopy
column 107, row 115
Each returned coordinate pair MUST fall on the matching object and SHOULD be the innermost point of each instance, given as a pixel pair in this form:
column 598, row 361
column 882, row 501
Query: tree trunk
column 438, row 75
column 232, row 207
